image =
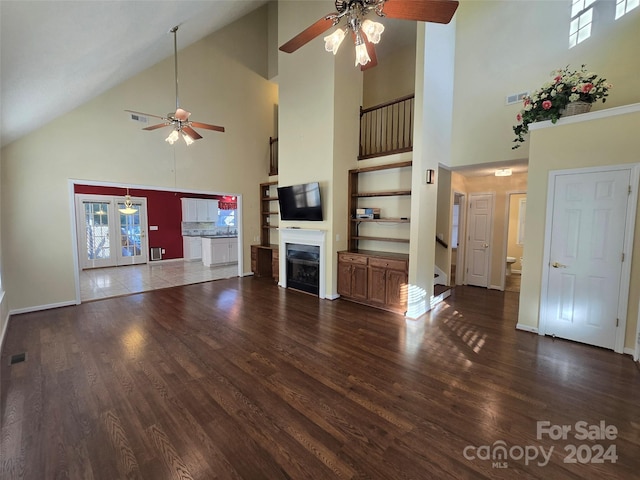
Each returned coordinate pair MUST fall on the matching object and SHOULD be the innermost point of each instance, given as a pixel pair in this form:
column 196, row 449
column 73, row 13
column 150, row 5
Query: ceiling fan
column 355, row 11
column 180, row 119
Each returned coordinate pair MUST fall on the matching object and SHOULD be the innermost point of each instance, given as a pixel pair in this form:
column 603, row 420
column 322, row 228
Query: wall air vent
column 135, row 117
column 156, row 253
column 515, row 98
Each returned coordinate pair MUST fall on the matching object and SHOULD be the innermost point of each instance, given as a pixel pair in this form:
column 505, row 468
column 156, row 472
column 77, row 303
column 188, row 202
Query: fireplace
column 307, row 263
column 303, row 267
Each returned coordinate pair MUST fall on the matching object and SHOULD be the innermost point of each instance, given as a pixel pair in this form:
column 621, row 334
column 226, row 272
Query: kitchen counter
column 219, row 250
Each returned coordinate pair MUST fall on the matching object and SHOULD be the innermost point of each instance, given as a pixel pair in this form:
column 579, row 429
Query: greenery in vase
column 549, row 101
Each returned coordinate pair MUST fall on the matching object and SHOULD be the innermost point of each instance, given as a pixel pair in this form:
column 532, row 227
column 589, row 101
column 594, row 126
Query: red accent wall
column 164, row 210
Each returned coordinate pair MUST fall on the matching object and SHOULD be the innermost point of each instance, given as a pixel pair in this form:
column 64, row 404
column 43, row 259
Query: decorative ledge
column 585, row 117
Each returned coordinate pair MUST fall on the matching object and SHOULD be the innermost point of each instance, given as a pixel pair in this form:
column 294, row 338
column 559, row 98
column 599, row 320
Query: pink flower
column 527, row 101
column 587, row 87
column 519, row 117
column 546, row 104
column 557, row 78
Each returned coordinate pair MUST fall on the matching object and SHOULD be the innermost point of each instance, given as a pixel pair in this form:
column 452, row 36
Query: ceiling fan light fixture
column 128, row 209
column 173, row 137
column 373, row 30
column 362, row 55
column 332, row 42
column 187, row 139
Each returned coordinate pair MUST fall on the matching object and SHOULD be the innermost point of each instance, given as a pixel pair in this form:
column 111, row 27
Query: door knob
column 558, row 265
column 486, row 245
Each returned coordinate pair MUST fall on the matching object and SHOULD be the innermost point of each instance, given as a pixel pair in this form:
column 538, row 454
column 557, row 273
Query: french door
column 107, row 237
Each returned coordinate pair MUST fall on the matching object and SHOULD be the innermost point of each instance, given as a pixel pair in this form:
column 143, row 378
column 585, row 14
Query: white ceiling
column 56, row 55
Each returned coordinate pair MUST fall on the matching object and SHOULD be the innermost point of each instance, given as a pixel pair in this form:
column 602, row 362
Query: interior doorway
column 479, row 239
column 458, row 229
column 514, row 240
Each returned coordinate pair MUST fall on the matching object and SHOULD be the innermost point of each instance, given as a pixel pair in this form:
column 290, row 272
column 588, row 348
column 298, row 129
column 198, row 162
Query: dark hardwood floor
column 239, row 378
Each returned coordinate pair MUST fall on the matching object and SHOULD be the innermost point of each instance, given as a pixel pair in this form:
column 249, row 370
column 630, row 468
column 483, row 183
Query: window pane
column 586, row 18
column 573, row 28
column 584, row 33
column 576, row 7
column 620, row 9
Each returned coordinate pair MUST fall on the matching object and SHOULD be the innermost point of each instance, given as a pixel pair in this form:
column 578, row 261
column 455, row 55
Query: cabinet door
column 201, row 208
column 219, row 252
column 233, row 250
column 359, row 282
column 196, row 247
column 189, row 210
column 212, row 211
column 377, row 284
column 397, row 286
column 344, row 279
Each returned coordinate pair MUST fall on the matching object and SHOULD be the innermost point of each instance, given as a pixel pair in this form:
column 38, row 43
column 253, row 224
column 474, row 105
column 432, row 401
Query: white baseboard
column 495, row 287
column 526, row 328
column 629, row 351
column 333, row 296
column 38, row 308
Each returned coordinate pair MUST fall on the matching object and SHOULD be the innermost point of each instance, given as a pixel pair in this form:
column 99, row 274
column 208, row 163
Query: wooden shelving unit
column 268, row 210
column 354, row 195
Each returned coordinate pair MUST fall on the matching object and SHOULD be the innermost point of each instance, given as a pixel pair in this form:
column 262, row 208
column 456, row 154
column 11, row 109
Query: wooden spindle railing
column 273, row 155
column 387, row 128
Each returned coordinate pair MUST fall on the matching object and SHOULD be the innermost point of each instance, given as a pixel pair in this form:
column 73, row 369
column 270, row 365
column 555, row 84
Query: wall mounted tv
column 300, row 202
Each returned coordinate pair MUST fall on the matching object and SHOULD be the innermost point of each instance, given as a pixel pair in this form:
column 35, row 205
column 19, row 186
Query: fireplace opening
column 303, row 267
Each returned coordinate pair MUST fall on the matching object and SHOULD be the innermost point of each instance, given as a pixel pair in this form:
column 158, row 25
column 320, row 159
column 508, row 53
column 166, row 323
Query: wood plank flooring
column 240, row 379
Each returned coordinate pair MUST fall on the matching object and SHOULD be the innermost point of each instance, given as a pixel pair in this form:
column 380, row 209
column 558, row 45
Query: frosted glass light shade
column 332, row 42
column 362, row 56
column 373, row 30
column 173, row 137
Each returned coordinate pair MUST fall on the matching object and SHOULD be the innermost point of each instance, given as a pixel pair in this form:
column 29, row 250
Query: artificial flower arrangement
column 550, row 101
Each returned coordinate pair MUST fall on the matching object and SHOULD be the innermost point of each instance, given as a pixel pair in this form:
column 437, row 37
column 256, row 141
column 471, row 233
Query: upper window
column 581, row 21
column 625, row 6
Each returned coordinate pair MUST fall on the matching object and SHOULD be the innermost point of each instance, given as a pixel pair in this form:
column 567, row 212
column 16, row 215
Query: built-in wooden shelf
column 383, row 220
column 383, row 239
column 381, row 194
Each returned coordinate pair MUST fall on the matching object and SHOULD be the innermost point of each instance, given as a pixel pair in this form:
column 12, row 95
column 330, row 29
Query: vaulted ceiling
column 56, row 55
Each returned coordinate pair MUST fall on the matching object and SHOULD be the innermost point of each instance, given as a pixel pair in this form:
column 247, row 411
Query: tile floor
column 114, row 281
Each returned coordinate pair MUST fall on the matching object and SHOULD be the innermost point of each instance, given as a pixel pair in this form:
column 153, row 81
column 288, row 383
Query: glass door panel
column 132, row 248
column 95, row 235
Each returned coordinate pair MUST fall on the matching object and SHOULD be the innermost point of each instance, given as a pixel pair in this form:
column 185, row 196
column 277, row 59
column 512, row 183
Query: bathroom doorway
column 517, row 209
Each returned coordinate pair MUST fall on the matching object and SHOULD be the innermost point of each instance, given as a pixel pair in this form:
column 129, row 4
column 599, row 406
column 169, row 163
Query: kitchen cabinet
column 192, row 248
column 219, row 251
column 378, row 279
column 199, row 210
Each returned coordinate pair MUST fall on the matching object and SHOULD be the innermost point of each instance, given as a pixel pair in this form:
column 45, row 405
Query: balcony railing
column 387, row 128
column 273, row 156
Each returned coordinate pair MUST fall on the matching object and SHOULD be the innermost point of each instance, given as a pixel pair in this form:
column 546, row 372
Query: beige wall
column 596, row 142
column 505, row 47
column 97, row 142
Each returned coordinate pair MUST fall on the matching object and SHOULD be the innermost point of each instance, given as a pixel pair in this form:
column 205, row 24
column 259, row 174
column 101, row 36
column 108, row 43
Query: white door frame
column 491, row 235
column 505, row 244
column 462, row 231
column 623, row 297
column 71, row 183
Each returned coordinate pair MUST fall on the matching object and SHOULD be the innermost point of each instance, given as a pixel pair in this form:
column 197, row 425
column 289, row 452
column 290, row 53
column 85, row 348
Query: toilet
column 510, row 261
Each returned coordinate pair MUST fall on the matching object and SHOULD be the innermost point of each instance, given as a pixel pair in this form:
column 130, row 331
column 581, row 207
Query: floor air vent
column 17, row 358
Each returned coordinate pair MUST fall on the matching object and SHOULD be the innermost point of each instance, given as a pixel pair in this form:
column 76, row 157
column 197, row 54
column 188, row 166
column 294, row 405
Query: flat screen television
column 300, row 202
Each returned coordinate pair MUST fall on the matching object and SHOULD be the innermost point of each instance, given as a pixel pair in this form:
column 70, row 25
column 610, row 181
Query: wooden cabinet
column 352, row 276
column 265, row 261
column 379, row 279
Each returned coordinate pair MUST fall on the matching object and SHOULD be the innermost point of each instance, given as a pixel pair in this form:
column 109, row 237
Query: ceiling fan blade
column 207, row 126
column 437, row 11
column 182, row 114
column 191, row 132
column 147, row 114
column 371, row 50
column 155, row 127
column 307, row 35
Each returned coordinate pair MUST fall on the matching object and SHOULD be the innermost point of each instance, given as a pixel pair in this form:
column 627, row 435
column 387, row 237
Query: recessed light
column 503, row 172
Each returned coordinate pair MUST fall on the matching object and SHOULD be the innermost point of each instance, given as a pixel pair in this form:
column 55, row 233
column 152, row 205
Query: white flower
column 573, row 97
column 528, row 107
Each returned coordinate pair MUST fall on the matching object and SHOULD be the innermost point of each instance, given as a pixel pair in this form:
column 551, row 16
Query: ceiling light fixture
column 355, row 11
column 503, row 172
column 128, row 209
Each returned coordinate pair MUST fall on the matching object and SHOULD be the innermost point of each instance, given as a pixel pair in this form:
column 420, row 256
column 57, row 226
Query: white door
column 95, row 231
column 587, row 241
column 132, row 235
column 478, row 245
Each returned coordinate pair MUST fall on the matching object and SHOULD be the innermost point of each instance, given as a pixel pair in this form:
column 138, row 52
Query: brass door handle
column 558, row 265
